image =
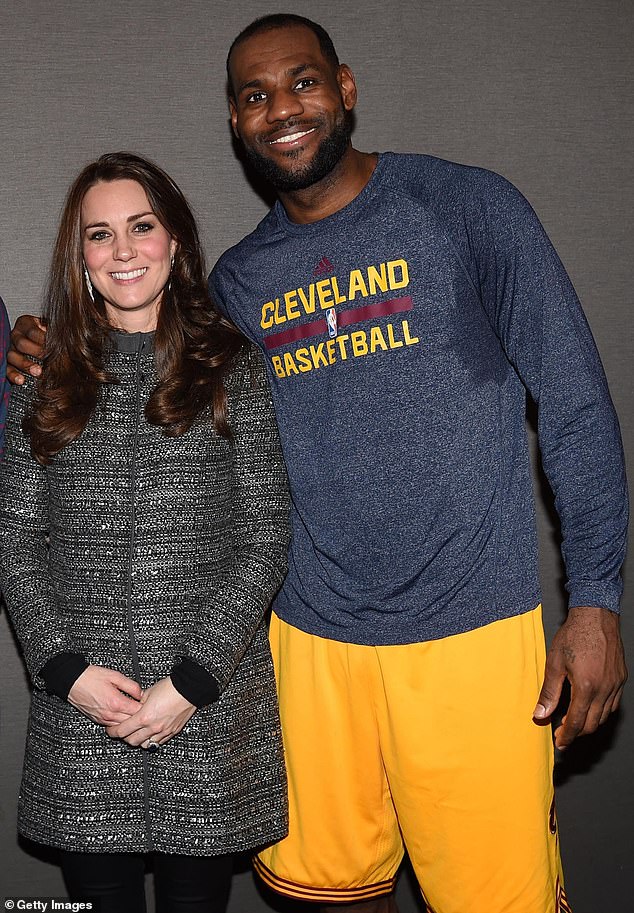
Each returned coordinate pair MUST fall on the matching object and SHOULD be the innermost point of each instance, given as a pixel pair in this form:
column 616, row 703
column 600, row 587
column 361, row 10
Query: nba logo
column 331, row 320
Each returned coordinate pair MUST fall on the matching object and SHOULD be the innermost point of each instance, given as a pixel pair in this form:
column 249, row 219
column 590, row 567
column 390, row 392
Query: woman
column 143, row 534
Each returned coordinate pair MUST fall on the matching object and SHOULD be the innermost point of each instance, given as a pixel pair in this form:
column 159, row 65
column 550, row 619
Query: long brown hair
column 192, row 346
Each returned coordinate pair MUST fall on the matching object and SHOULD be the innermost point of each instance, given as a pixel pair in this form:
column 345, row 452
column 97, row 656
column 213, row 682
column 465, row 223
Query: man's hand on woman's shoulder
column 27, row 342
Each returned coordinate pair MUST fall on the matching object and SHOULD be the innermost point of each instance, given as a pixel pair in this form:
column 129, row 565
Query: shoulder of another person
column 5, row 329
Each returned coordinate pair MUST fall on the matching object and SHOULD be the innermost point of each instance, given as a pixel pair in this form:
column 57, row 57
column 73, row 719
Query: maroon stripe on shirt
column 344, row 319
column 380, row 309
column 303, row 332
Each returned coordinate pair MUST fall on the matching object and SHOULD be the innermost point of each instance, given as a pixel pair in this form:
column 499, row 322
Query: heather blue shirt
column 4, row 384
column 401, row 336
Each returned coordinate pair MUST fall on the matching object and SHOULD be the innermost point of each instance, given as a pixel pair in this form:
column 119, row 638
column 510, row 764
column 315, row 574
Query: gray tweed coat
column 158, row 548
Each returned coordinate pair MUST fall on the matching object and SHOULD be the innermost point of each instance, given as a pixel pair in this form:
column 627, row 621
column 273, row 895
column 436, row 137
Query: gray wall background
column 536, row 90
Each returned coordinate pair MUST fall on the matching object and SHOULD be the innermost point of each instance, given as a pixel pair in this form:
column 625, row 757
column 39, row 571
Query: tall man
column 405, row 304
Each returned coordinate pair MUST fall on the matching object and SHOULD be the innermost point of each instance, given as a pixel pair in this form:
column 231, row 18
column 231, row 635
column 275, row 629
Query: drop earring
column 89, row 284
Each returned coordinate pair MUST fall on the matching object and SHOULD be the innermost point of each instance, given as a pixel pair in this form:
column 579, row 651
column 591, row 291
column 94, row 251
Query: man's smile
column 290, row 137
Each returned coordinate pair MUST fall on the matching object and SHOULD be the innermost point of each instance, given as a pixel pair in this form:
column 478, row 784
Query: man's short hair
column 280, row 21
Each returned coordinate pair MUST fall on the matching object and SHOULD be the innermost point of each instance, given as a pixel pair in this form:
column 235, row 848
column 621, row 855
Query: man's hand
column 587, row 650
column 27, row 339
column 102, row 695
column 162, row 714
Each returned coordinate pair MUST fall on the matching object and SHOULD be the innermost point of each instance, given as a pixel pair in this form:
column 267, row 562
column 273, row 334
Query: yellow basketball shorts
column 430, row 746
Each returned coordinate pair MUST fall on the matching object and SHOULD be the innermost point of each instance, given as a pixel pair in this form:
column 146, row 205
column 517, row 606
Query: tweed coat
column 136, row 549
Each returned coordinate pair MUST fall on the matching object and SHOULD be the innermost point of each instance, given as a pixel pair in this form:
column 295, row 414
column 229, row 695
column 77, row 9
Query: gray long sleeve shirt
column 401, row 336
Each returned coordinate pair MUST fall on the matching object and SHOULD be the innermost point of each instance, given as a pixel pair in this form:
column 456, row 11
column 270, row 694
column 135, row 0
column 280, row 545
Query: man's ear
column 233, row 114
column 347, row 86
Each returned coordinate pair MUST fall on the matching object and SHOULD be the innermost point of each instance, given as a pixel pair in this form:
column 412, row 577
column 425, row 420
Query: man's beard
column 328, row 154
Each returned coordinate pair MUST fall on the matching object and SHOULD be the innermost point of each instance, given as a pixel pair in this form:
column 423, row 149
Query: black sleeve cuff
column 196, row 685
column 62, row 671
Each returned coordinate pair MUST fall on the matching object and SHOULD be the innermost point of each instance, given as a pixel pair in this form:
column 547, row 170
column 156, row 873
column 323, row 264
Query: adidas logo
column 324, row 266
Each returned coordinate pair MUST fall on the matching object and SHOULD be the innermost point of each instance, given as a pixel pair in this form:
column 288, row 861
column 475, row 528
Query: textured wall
column 537, row 91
